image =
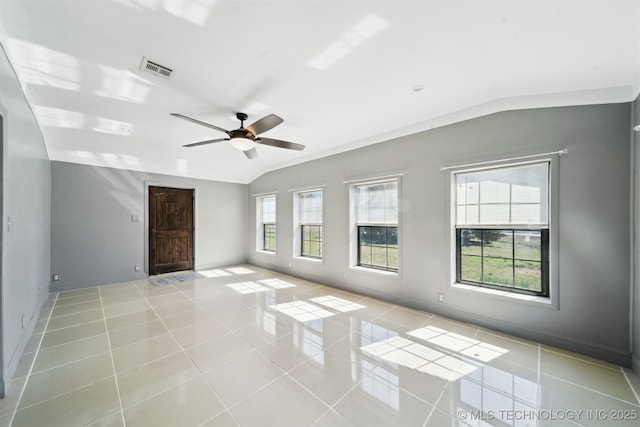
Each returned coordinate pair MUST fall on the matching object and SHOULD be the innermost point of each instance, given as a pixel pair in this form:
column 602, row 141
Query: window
column 310, row 205
column 266, row 206
column 376, row 219
column 502, row 228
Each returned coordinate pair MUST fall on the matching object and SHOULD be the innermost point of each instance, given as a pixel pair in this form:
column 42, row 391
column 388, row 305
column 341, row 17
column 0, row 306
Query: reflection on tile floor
column 247, row 346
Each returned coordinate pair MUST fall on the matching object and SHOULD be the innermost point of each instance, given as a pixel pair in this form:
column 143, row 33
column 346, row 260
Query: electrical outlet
column 56, row 277
column 136, row 268
column 344, row 275
column 23, row 321
column 289, row 265
column 440, row 297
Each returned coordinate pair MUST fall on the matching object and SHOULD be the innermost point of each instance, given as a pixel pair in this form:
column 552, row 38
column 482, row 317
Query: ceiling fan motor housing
column 241, row 133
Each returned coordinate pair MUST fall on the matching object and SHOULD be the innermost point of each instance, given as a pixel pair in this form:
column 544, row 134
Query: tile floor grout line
column 28, row 376
column 255, row 391
column 113, row 365
column 307, row 389
column 501, row 335
column 149, row 338
column 78, row 303
column 166, row 356
column 200, row 374
column 175, row 385
column 76, row 324
column 63, row 297
column 71, row 362
column 148, row 300
column 539, row 376
column 284, row 373
column 72, row 341
column 592, row 390
column 104, row 418
column 435, row 405
column 66, row 393
column 633, row 390
column 132, row 325
column 70, row 314
column 596, row 362
column 333, row 407
column 216, row 416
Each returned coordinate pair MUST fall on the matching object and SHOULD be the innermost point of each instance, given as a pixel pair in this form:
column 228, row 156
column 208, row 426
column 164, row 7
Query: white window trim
column 551, row 301
column 297, row 235
column 353, row 225
column 259, row 223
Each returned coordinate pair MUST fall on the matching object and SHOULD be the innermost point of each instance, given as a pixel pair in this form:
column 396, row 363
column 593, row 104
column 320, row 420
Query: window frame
column 303, row 240
column 544, row 261
column 376, row 266
column 265, row 236
column 550, row 297
column 298, row 224
column 261, row 225
column 355, row 225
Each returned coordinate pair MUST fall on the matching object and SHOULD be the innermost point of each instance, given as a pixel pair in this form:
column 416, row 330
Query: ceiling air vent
column 155, row 68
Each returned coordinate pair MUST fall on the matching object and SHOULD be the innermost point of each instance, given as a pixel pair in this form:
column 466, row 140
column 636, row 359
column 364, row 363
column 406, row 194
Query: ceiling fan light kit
column 242, row 144
column 245, row 139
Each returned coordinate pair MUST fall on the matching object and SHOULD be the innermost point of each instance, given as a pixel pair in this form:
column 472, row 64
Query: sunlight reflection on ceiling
column 39, row 65
column 113, row 159
column 113, row 127
column 123, row 85
column 363, row 30
column 57, row 117
column 181, row 166
column 195, row 11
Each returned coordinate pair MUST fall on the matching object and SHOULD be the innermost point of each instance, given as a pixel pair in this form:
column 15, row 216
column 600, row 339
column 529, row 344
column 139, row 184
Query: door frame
column 153, row 183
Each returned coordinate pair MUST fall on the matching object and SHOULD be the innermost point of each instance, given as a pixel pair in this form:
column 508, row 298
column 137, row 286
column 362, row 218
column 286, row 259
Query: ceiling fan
column 245, row 139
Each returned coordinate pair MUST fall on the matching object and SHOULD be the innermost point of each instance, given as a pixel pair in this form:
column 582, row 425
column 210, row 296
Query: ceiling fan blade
column 251, row 154
column 198, row 122
column 208, row 141
column 279, row 143
column 264, row 124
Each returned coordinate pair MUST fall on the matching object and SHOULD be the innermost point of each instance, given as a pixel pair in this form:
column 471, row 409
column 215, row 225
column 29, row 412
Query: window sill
column 376, row 271
column 513, row 296
column 260, row 251
column 309, row 259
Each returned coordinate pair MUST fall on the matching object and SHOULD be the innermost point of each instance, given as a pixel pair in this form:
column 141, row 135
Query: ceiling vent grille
column 155, row 68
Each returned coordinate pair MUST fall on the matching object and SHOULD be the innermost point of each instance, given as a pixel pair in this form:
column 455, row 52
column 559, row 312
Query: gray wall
column 592, row 313
column 25, row 246
column 636, row 238
column 93, row 238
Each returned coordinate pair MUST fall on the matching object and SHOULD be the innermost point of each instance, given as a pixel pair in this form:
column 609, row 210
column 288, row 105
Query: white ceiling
column 342, row 74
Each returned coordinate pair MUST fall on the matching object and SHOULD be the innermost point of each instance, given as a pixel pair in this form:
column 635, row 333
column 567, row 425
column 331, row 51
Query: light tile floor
column 247, row 346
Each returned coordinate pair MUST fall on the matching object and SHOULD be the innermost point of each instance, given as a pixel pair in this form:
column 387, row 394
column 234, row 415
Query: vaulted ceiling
column 342, row 74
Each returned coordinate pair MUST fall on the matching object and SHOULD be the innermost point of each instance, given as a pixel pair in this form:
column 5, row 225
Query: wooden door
column 170, row 229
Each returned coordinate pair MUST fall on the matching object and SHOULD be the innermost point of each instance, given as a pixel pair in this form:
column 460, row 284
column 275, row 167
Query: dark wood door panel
column 170, row 229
